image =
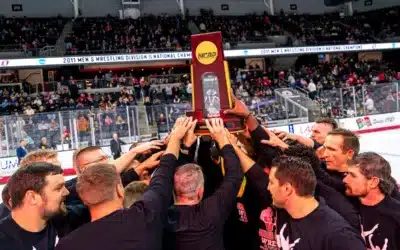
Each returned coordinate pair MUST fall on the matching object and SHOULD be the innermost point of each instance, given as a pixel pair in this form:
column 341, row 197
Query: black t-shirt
column 139, row 227
column 341, row 204
column 381, row 224
column 13, row 237
column 241, row 228
column 4, row 211
column 201, row 226
column 264, row 236
column 322, row 229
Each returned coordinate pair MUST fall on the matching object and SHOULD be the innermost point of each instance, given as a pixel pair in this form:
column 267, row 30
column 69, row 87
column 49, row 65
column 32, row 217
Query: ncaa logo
column 206, row 52
column 42, row 61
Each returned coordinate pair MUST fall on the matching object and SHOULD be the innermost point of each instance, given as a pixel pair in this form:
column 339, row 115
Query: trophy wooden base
column 232, row 123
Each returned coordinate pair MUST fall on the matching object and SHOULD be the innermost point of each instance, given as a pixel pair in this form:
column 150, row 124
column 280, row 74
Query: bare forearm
column 245, row 161
column 173, row 147
column 124, row 161
column 304, row 140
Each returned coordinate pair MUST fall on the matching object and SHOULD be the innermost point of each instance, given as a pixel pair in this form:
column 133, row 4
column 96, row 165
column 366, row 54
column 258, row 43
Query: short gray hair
column 373, row 165
column 187, row 180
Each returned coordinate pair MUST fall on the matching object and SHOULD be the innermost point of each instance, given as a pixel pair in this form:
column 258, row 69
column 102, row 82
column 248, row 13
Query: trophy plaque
column 211, row 90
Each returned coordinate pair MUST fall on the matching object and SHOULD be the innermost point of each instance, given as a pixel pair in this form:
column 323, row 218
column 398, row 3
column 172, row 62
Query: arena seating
column 239, row 28
column 112, row 35
column 29, row 34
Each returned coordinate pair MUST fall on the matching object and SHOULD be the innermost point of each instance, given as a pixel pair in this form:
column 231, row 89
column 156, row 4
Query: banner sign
column 187, row 55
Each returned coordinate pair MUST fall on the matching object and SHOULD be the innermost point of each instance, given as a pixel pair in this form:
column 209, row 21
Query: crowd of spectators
column 167, row 96
column 29, row 34
column 324, row 29
column 112, row 35
column 336, row 28
column 331, row 85
column 386, row 28
column 238, row 28
column 154, row 33
column 161, row 33
column 168, row 33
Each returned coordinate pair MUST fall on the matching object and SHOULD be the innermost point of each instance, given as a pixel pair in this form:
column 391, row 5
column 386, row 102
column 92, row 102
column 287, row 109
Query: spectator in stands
column 43, row 144
column 312, row 88
column 21, row 150
column 83, row 126
column 369, row 105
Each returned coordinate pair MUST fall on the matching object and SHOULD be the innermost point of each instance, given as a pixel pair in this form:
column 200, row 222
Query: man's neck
column 343, row 168
column 300, row 207
column 186, row 202
column 373, row 198
column 103, row 210
column 28, row 219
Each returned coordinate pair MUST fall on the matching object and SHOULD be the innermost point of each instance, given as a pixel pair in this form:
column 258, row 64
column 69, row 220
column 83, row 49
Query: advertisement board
column 187, row 55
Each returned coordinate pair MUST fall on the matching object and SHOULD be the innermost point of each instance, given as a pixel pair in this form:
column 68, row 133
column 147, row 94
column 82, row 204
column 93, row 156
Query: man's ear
column 120, row 191
column 350, row 154
column 200, row 193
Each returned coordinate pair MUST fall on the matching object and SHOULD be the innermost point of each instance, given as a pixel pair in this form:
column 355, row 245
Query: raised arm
column 254, row 173
column 125, row 161
column 224, row 197
column 256, row 131
column 159, row 194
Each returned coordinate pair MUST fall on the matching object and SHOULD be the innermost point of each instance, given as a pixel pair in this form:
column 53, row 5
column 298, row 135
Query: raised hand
column 143, row 147
column 153, row 161
column 190, row 137
column 218, row 132
column 274, row 140
column 283, row 135
column 239, row 108
column 182, row 125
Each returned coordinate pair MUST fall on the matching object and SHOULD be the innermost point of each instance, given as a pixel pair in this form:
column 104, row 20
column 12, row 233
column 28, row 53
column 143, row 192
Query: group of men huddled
column 260, row 189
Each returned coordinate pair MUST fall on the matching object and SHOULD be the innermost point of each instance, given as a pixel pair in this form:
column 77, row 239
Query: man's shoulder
column 69, row 241
column 8, row 240
column 4, row 211
column 332, row 220
column 5, row 223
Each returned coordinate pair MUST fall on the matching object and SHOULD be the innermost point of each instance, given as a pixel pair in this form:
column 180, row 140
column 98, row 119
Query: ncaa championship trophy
column 211, row 89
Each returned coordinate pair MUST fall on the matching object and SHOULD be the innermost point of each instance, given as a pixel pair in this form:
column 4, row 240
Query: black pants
column 117, row 155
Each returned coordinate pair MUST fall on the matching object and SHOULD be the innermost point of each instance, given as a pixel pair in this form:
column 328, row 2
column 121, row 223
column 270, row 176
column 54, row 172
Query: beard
column 361, row 194
column 48, row 214
column 63, row 209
